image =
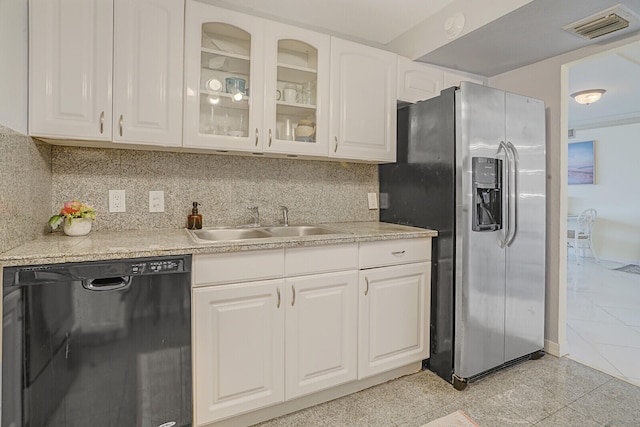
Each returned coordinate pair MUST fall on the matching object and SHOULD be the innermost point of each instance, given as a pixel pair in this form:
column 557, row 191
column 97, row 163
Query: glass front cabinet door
column 254, row 85
column 224, row 80
column 297, row 91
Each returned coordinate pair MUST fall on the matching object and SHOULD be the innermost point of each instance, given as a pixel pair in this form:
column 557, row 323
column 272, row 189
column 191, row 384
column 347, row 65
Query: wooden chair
column 581, row 236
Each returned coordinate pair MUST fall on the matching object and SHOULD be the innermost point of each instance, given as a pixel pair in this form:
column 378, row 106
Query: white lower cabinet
column 394, row 310
column 238, row 348
column 275, row 325
column 321, row 332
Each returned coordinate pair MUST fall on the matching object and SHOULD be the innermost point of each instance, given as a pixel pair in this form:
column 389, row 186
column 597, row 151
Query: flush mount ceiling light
column 588, row 96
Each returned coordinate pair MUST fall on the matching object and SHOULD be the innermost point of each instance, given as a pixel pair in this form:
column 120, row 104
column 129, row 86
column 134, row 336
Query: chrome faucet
column 285, row 215
column 256, row 215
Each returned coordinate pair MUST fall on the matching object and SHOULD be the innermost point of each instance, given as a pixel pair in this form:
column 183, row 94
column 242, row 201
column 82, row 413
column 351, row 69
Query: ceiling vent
column 606, row 22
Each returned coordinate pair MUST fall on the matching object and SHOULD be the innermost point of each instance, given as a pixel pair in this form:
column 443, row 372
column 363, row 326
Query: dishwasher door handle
column 107, row 283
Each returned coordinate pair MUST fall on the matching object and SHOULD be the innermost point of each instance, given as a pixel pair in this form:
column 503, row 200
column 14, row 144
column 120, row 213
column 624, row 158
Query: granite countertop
column 104, row 245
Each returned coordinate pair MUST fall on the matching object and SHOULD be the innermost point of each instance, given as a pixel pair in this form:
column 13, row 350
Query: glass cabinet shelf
column 224, row 63
column 225, row 54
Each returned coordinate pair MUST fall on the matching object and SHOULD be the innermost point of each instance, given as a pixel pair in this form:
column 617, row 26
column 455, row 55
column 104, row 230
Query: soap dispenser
column 194, row 221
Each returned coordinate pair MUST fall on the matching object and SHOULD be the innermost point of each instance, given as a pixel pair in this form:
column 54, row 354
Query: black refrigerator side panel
column 419, row 190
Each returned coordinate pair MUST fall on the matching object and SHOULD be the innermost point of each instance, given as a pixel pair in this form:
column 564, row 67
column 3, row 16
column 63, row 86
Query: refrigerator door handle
column 513, row 222
column 506, row 208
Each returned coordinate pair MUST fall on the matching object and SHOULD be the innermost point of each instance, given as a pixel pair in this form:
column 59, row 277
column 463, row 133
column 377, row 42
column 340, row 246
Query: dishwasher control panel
column 151, row 267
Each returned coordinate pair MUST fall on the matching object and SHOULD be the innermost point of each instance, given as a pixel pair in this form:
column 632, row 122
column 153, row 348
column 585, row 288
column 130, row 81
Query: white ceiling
column 617, row 72
column 375, row 21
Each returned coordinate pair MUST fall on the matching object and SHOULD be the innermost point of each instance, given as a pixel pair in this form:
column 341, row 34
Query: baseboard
column 556, row 349
column 621, row 261
column 607, row 259
column 297, row 404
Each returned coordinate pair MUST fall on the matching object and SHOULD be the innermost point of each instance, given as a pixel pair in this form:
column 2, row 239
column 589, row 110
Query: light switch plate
column 117, row 201
column 373, row 200
column 156, row 201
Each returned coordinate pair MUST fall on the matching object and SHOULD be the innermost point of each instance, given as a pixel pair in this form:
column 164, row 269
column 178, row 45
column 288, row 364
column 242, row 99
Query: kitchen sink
column 243, row 233
column 224, row 234
column 299, row 230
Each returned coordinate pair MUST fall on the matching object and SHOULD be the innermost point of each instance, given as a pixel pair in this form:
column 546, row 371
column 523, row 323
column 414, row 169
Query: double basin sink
column 225, row 234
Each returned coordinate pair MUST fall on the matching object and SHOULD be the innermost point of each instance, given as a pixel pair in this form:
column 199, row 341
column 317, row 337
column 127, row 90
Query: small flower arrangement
column 70, row 211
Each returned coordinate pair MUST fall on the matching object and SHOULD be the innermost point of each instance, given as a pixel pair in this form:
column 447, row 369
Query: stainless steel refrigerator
column 471, row 165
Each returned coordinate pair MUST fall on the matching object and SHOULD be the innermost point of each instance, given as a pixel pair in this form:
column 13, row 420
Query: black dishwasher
column 101, row 344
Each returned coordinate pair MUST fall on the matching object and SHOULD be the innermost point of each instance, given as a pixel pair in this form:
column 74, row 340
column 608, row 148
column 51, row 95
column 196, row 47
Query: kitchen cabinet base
column 316, row 398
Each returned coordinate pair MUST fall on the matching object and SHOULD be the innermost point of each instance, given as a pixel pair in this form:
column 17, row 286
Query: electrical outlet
column 117, row 201
column 373, row 200
column 156, row 201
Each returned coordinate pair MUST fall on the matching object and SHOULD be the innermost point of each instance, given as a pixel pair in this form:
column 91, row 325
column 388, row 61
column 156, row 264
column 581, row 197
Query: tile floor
column 603, row 332
column 603, row 318
column 546, row 392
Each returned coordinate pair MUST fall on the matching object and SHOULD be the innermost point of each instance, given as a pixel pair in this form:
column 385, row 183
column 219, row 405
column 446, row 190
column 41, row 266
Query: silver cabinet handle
column 257, row 134
column 366, row 280
column 293, row 299
column 102, row 122
column 279, row 300
column 121, row 121
column 335, row 138
column 398, row 253
column 270, row 135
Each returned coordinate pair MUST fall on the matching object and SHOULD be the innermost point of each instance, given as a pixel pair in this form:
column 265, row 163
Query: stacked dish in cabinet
column 225, row 80
column 296, row 91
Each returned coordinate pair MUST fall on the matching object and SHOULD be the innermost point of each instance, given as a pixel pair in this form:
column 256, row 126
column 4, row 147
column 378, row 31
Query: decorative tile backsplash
column 25, row 194
column 313, row 191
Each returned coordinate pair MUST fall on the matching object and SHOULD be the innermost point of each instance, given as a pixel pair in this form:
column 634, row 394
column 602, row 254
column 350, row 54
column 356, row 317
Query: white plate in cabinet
column 215, row 269
column 320, row 259
column 238, row 336
column 321, row 332
column 363, row 103
column 221, row 44
column 391, row 252
column 394, row 315
column 295, row 56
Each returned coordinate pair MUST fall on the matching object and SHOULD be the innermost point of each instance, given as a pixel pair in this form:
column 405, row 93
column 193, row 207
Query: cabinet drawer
column 320, row 259
column 215, row 269
column 391, row 252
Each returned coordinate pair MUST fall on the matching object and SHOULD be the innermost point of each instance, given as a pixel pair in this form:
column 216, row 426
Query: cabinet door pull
column 279, row 300
column 366, row 280
column 398, row 253
column 257, row 134
column 335, row 150
column 270, row 135
column 102, row 122
column 293, row 299
column 121, row 121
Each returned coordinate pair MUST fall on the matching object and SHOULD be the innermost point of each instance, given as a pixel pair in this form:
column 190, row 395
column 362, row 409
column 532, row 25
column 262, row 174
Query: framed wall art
column 581, row 163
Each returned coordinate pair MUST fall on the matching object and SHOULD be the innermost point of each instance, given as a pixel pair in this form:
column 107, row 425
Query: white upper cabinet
column 147, row 89
column 296, row 113
column 70, row 57
column 363, row 103
column 254, row 85
column 224, row 80
column 418, row 81
column 454, row 78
